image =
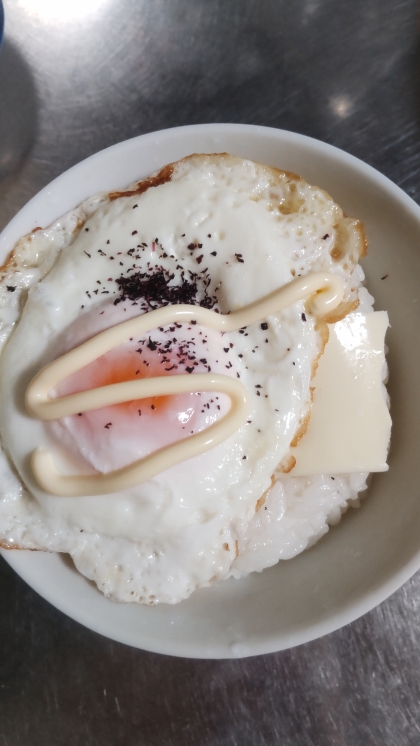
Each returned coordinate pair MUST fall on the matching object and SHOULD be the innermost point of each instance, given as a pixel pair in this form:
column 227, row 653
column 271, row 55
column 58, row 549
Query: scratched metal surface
column 75, row 77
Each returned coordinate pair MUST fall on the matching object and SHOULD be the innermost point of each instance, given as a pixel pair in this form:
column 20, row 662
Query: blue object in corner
column 1, row 21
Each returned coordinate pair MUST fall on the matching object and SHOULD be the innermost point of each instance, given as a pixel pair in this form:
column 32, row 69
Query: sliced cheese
column 350, row 425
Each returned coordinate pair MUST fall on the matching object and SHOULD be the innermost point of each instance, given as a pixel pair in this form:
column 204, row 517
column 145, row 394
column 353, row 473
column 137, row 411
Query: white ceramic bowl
column 374, row 550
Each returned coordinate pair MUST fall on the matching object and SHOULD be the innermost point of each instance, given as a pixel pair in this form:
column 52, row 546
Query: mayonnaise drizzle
column 327, row 293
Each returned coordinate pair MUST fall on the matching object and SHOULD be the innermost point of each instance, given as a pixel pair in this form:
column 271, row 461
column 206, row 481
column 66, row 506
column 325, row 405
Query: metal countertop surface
column 77, row 76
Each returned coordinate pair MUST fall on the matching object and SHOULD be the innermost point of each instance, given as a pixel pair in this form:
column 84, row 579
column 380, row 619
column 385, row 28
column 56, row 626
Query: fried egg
column 215, row 231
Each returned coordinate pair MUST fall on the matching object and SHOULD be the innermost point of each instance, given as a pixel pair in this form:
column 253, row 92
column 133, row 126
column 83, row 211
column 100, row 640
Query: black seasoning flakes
column 264, row 326
column 327, row 235
column 11, row 288
column 156, row 289
column 303, row 317
column 108, row 425
column 239, row 258
column 85, row 252
column 382, row 278
column 213, row 253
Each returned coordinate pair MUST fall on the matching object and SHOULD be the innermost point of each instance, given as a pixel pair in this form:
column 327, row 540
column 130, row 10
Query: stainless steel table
column 75, row 77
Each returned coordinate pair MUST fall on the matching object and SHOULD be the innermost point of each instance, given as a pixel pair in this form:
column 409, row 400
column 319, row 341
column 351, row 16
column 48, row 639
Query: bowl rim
column 370, row 598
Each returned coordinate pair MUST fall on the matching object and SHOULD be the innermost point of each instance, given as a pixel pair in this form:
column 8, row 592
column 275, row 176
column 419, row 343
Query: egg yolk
column 125, row 363
column 113, row 436
column 110, row 369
